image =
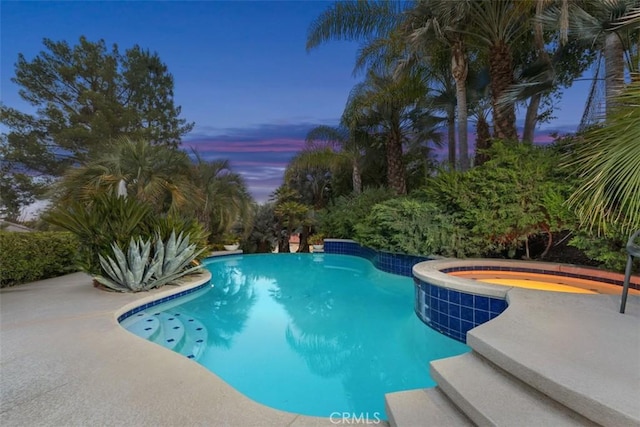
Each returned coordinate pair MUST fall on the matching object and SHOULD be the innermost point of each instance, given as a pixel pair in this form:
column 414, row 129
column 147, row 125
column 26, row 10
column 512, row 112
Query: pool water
column 312, row 334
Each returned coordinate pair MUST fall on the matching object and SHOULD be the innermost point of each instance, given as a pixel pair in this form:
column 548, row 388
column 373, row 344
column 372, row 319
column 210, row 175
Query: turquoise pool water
column 315, row 334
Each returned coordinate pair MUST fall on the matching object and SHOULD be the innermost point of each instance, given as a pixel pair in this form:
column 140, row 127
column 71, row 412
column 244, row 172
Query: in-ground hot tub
column 454, row 296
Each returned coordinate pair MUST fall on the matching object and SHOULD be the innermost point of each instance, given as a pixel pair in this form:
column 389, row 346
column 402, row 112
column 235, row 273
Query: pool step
column 172, row 331
column 473, row 391
column 179, row 332
column 195, row 340
column 490, row 396
column 143, row 325
column 423, row 407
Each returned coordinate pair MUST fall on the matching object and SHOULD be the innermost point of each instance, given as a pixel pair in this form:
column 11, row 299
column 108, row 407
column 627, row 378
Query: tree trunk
column 356, row 178
column 501, row 71
column 483, row 140
column 304, row 240
column 614, row 68
column 395, row 165
column 459, row 69
column 549, row 243
column 283, row 244
column 451, row 138
column 531, row 119
column 264, row 247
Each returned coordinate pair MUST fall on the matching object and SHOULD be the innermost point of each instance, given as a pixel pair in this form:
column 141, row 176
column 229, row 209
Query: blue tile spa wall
column 399, row 264
column 452, row 312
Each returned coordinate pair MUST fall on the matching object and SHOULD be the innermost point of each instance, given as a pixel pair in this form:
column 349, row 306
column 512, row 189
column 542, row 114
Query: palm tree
column 387, row 107
column 154, row 174
column 440, row 23
column 608, row 166
column 611, row 26
column 225, row 199
column 347, row 142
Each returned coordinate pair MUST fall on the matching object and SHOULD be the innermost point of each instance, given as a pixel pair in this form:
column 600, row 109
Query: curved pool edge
column 66, row 360
column 262, row 414
column 455, row 305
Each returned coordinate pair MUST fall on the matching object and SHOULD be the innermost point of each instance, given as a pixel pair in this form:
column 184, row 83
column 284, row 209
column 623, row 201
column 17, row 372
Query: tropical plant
column 139, row 270
column 434, row 27
column 388, row 107
column 611, row 26
column 337, row 145
column 173, row 257
column 153, row 174
column 105, row 220
column 263, row 236
column 607, row 165
column 316, row 239
column 226, row 201
column 131, row 272
column 164, row 225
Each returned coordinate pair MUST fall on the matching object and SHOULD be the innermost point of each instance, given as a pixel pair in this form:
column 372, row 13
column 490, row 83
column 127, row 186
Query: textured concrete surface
column 65, row 361
column 577, row 349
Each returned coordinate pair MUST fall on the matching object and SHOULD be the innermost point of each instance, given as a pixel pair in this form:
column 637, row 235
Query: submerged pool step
column 195, row 339
column 490, row 396
column 144, row 325
column 423, row 407
column 179, row 332
column 172, row 331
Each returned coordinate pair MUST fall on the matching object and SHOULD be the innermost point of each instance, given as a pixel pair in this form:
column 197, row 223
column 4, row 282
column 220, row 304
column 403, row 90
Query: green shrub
column 339, row 221
column 609, row 248
column 517, row 194
column 410, row 226
column 26, row 257
column 106, row 220
column 109, row 220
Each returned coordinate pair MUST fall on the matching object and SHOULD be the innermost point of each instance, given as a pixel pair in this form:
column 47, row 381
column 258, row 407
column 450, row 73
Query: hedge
column 26, row 257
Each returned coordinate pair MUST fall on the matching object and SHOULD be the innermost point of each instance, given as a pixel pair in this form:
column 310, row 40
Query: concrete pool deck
column 64, row 360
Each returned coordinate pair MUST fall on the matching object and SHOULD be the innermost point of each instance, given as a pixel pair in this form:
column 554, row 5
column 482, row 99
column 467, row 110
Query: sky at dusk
column 240, row 68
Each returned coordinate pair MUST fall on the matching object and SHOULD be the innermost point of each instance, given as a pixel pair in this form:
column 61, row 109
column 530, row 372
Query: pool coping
column 56, row 370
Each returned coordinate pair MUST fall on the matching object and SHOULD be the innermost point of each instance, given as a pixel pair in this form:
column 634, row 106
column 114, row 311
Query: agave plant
column 132, row 272
column 173, row 257
column 138, row 271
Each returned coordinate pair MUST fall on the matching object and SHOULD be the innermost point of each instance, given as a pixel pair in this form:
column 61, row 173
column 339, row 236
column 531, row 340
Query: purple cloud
column 260, row 154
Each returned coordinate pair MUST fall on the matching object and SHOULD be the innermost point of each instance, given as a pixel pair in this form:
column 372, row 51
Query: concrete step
column 490, row 396
column 576, row 349
column 423, row 407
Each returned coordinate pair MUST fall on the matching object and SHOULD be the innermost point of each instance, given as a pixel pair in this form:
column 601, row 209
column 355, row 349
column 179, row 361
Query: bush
column 109, row 220
column 339, row 221
column 516, row 195
column 25, row 257
column 101, row 223
column 410, row 226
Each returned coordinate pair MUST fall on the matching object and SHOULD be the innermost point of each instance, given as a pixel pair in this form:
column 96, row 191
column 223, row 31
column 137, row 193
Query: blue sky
column 240, row 68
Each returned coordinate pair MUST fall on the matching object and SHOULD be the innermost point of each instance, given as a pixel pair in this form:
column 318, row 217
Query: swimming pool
column 313, row 334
